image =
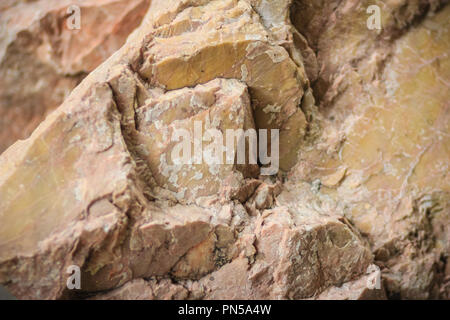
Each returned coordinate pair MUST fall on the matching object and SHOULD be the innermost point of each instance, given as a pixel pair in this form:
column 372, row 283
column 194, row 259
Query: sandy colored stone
column 384, row 120
column 232, row 32
column 218, row 105
column 96, row 168
column 363, row 145
column 42, row 60
column 146, row 290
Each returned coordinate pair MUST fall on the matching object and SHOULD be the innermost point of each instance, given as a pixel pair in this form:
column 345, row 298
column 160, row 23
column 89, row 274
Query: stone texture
column 363, row 158
column 220, row 105
column 42, row 60
column 380, row 148
column 146, row 290
column 360, row 289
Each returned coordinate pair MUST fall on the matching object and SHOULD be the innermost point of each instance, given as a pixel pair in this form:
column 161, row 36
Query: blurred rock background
column 42, row 59
column 365, row 143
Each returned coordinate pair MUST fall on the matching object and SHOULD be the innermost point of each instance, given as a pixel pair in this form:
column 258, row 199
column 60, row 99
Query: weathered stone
column 363, row 156
column 381, row 139
column 360, row 289
column 179, row 55
column 146, row 290
column 67, row 207
column 42, row 60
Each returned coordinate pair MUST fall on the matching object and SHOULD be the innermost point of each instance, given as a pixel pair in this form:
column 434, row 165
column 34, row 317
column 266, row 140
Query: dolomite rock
column 56, row 235
column 146, row 290
column 296, row 257
column 363, row 288
column 380, row 146
column 363, row 156
column 42, row 60
column 218, row 105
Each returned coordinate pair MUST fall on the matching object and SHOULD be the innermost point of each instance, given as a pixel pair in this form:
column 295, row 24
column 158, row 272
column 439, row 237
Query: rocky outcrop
column 382, row 148
column 362, row 190
column 43, row 57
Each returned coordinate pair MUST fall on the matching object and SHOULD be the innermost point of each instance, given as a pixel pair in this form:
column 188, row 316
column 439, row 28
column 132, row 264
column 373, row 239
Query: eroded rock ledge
column 358, row 185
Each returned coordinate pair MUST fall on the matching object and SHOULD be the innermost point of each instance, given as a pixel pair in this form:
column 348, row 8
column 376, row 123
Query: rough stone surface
column 364, row 148
column 220, row 105
column 381, row 149
column 363, row 288
column 42, row 60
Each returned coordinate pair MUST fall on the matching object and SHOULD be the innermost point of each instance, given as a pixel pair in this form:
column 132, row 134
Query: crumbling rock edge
column 285, row 237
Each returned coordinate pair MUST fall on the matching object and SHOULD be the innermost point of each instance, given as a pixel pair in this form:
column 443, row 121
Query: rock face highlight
column 362, row 191
column 42, row 60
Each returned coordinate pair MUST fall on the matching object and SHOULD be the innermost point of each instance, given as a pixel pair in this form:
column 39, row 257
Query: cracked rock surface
column 42, row 60
column 363, row 186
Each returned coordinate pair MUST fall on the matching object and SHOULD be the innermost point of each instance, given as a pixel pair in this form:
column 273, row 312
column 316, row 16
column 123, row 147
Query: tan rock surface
column 363, row 158
column 42, row 60
column 219, row 105
column 146, row 290
column 384, row 139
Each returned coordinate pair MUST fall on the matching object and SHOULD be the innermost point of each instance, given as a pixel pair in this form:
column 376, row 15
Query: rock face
column 42, row 58
column 218, row 105
column 362, row 191
column 383, row 148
